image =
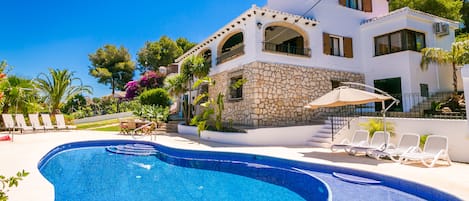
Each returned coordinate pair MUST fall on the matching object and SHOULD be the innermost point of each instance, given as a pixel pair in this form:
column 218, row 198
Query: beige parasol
column 345, row 95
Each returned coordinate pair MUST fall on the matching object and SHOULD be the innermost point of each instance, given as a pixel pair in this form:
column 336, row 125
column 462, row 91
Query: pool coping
column 32, row 147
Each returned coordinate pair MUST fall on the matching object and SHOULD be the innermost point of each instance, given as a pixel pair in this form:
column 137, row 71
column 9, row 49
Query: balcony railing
column 233, row 53
column 288, row 49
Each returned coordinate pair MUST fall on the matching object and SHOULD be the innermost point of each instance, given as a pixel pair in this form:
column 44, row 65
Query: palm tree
column 457, row 57
column 192, row 68
column 19, row 95
column 58, row 87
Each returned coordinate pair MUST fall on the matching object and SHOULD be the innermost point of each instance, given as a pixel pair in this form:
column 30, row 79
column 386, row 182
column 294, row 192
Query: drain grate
column 133, row 149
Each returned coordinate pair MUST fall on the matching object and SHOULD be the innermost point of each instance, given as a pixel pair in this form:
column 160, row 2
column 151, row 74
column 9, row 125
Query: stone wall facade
column 275, row 94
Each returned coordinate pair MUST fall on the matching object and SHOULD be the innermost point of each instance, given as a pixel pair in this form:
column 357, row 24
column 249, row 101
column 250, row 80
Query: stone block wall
column 275, row 94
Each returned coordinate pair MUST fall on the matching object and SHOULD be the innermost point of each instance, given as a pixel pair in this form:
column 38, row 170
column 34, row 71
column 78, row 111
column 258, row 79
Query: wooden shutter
column 342, row 2
column 367, row 6
column 326, row 43
column 348, row 48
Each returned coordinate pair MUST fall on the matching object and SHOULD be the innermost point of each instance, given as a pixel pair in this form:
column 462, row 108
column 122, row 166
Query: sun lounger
column 21, row 123
column 408, row 143
column 435, row 148
column 46, row 121
column 34, row 119
column 59, row 118
column 360, row 137
column 378, row 142
column 8, row 122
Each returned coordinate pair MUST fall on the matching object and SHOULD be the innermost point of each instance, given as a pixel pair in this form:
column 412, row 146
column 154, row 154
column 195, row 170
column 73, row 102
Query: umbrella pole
column 383, row 111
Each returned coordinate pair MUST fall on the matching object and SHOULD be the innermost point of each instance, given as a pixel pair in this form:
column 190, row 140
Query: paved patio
column 27, row 149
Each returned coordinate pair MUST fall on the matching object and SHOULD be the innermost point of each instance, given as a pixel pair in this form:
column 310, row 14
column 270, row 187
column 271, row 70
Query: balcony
column 286, row 49
column 231, row 54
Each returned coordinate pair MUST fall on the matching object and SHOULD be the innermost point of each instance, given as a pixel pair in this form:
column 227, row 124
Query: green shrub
column 157, row 97
column 8, row 182
column 374, row 125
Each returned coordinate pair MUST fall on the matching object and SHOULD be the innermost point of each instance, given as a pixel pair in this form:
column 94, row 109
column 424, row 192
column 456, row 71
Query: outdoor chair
column 8, row 122
column 60, row 120
column 34, row 119
column 127, row 125
column 46, row 121
column 435, row 148
column 378, row 142
column 408, row 143
column 359, row 137
column 21, row 123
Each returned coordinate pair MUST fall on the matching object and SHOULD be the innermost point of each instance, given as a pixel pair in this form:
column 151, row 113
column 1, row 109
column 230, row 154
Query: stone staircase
column 426, row 104
column 323, row 137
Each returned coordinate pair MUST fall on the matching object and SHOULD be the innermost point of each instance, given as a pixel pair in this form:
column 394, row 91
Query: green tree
column 58, row 87
column 176, row 85
column 158, row 53
column 185, row 44
column 19, row 95
column 73, row 104
column 192, row 68
column 449, row 9
column 158, row 97
column 457, row 56
column 112, row 66
column 465, row 16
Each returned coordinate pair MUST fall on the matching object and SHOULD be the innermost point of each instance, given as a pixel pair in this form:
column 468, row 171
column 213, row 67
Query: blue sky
column 37, row 35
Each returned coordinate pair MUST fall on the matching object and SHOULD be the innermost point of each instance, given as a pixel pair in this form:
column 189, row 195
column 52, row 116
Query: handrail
column 142, row 127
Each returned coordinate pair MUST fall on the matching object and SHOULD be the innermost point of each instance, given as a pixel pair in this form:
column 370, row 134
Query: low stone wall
column 275, row 94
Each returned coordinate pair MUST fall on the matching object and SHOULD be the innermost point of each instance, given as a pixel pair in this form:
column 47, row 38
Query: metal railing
column 238, row 51
column 288, row 49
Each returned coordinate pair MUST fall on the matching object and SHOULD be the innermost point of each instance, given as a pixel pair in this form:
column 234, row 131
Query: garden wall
column 455, row 130
column 275, row 94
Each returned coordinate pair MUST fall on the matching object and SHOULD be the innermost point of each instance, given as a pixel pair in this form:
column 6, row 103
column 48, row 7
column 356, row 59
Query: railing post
column 332, row 128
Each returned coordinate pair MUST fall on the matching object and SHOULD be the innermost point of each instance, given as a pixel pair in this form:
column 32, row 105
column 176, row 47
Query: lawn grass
column 96, row 124
column 109, row 128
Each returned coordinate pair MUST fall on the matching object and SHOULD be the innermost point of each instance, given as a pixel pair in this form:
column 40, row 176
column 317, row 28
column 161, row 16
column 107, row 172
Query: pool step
column 132, row 149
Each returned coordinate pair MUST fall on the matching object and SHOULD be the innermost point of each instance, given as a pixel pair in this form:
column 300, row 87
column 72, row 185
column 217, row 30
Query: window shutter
column 348, row 48
column 342, row 2
column 367, row 6
column 326, row 43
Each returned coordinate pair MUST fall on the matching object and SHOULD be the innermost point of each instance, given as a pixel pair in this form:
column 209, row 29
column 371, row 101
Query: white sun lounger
column 8, row 122
column 34, row 119
column 360, row 137
column 378, row 142
column 46, row 121
column 21, row 123
column 408, row 143
column 59, row 118
column 435, row 148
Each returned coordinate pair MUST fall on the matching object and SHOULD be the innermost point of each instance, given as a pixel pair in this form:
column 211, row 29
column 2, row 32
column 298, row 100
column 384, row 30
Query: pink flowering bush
column 149, row 80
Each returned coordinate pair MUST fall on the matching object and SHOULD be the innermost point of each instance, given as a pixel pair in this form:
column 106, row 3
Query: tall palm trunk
column 455, row 79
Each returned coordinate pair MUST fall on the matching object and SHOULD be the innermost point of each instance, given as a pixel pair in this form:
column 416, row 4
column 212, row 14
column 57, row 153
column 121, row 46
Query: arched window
column 285, row 40
column 231, row 48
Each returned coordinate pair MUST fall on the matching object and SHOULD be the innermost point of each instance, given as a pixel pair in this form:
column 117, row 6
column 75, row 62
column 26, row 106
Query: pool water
column 94, row 174
column 86, row 171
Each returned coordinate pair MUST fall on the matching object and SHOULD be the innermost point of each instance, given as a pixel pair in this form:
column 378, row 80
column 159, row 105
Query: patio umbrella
column 344, row 95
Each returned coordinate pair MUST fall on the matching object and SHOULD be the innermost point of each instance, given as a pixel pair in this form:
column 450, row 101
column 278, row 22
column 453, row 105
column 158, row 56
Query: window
column 335, row 83
column 424, row 90
column 399, row 41
column 363, row 5
column 236, row 93
column 337, row 45
column 355, row 4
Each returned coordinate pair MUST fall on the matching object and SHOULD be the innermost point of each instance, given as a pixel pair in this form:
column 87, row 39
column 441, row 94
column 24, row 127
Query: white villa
column 291, row 52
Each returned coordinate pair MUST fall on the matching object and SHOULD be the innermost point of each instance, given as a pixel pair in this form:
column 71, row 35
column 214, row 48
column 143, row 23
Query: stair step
column 319, row 144
column 325, row 140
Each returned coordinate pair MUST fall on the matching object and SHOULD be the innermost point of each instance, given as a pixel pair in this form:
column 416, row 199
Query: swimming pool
column 86, row 171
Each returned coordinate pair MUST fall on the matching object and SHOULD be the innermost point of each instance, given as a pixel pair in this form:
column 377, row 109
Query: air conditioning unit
column 441, row 28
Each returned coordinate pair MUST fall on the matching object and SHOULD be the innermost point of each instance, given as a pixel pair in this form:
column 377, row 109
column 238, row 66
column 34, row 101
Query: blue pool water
column 86, row 171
